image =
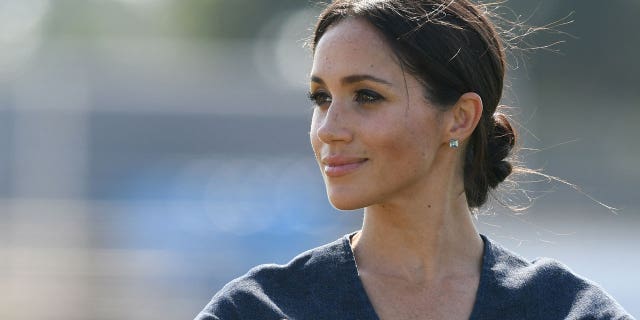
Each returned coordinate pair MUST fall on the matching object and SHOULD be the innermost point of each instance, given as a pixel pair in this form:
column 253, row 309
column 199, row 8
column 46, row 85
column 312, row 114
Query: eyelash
column 363, row 96
column 319, row 98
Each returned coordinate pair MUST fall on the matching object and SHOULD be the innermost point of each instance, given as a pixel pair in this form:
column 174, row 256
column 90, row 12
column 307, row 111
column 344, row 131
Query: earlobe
column 466, row 114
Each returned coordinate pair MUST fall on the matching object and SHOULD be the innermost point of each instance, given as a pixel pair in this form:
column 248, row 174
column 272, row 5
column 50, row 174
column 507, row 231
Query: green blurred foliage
column 230, row 19
column 184, row 18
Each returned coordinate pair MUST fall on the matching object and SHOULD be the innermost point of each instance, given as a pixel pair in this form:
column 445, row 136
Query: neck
column 420, row 241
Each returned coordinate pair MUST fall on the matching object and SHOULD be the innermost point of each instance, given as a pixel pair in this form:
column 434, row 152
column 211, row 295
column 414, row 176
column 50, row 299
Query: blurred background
column 152, row 150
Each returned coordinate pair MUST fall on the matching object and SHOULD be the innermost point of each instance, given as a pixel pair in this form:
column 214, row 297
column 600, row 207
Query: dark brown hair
column 451, row 47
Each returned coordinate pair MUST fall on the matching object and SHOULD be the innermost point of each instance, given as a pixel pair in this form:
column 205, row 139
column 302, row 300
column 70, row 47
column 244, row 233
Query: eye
column 320, row 98
column 366, row 96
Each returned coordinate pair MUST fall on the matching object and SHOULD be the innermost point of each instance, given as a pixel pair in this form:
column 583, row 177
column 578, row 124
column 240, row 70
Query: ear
column 464, row 116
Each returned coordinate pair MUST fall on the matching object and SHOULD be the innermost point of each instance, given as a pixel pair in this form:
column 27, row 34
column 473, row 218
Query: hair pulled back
column 451, row 47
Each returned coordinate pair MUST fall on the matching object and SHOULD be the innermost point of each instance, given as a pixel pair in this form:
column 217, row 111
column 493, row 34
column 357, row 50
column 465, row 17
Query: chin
column 345, row 202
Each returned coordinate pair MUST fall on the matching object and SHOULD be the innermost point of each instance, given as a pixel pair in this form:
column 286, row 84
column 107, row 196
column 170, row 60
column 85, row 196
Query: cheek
column 410, row 144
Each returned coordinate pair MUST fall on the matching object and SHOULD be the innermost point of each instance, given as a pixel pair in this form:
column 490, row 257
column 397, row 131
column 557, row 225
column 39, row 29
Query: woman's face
column 373, row 133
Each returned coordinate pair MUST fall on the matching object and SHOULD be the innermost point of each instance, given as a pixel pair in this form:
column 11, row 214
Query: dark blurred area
column 152, row 150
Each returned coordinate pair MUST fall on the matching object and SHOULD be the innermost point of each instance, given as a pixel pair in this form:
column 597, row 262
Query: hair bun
column 501, row 142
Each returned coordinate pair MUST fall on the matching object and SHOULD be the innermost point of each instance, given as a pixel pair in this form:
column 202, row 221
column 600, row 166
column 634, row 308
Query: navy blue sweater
column 323, row 283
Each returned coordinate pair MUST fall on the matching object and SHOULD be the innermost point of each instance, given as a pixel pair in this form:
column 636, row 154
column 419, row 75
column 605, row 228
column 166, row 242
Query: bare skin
column 412, row 268
column 387, row 150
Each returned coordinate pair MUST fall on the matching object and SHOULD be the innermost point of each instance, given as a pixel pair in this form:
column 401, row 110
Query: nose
column 332, row 124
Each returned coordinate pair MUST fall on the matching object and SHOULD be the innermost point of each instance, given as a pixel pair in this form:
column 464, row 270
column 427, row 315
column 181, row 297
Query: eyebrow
column 354, row 79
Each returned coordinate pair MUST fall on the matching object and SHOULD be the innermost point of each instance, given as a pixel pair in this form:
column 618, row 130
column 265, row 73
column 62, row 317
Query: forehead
column 353, row 46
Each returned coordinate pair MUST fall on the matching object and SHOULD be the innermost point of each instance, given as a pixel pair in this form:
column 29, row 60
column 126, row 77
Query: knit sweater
column 323, row 283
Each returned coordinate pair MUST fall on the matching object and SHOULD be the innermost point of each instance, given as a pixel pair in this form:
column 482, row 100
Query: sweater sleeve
column 318, row 284
column 582, row 298
column 220, row 307
column 512, row 287
column 247, row 297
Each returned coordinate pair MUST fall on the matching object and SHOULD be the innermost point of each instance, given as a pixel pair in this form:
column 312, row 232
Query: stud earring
column 453, row 143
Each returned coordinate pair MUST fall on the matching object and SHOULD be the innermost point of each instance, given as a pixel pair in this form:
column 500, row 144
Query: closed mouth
column 340, row 166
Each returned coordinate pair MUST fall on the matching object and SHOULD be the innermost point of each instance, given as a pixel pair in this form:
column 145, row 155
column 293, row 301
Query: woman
column 405, row 126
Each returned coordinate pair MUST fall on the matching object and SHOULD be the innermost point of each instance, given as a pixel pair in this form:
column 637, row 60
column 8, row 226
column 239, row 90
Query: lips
column 337, row 166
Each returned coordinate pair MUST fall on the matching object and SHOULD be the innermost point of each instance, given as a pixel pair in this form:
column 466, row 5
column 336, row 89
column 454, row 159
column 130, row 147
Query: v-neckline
column 352, row 268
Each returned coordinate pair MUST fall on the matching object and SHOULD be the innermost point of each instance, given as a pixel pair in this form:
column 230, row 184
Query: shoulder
column 265, row 290
column 545, row 285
